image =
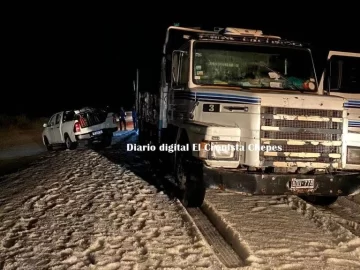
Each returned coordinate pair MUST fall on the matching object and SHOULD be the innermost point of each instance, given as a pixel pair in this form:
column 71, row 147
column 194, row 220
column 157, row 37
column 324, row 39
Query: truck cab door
column 179, row 70
column 174, row 73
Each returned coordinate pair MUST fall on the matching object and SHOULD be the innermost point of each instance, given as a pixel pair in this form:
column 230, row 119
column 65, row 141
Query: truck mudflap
column 339, row 184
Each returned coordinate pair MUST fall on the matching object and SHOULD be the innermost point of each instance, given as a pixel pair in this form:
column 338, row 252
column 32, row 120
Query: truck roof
column 250, row 39
column 240, row 35
column 342, row 53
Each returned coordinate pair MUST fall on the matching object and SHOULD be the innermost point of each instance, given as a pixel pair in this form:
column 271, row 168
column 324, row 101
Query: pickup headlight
column 219, row 151
column 353, row 155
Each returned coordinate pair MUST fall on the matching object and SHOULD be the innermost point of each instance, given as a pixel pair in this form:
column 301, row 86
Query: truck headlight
column 353, row 155
column 219, row 150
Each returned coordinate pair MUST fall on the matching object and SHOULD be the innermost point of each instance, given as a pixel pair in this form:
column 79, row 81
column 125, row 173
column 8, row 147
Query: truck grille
column 305, row 135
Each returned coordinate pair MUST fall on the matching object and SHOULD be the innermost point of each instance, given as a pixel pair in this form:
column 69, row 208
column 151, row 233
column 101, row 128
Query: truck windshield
column 345, row 74
column 253, row 66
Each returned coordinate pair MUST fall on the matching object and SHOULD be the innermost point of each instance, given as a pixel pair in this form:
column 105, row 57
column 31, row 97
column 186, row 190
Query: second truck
column 342, row 78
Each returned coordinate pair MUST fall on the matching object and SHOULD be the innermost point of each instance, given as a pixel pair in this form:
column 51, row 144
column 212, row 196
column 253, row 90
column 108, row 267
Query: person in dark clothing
column 122, row 118
column 134, row 117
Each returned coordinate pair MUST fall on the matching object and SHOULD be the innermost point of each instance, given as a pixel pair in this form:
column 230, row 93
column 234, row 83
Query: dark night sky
column 61, row 59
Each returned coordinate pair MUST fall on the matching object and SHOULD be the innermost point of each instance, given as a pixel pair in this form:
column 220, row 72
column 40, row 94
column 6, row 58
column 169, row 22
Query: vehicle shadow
column 142, row 164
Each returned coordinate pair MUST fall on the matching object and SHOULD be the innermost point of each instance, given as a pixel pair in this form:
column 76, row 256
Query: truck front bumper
column 339, row 184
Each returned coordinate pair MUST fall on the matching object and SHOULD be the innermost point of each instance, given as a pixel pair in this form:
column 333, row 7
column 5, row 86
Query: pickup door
column 55, row 131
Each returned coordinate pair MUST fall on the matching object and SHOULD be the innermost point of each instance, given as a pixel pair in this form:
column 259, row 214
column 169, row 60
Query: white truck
column 244, row 113
column 342, row 78
column 87, row 124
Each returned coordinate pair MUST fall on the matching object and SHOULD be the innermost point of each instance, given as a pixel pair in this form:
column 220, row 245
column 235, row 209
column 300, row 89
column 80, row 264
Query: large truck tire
column 189, row 176
column 320, row 200
column 142, row 133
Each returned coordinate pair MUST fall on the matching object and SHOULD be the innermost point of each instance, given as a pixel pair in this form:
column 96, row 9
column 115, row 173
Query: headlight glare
column 353, row 155
column 224, row 151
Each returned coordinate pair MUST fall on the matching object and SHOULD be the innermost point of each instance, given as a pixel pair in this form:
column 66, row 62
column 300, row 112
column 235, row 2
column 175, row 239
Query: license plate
column 302, row 183
column 97, row 132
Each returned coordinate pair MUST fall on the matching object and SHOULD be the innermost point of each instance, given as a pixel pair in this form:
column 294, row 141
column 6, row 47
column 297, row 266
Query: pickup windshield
column 254, row 66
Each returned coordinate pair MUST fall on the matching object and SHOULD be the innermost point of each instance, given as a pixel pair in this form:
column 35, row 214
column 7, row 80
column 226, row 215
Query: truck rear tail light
column 77, row 127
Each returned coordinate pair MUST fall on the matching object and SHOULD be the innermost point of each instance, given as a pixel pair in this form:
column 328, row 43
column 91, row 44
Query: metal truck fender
column 180, row 137
column 186, row 132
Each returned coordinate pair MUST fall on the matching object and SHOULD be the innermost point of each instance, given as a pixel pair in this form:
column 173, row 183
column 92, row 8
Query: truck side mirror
column 328, row 84
column 175, row 68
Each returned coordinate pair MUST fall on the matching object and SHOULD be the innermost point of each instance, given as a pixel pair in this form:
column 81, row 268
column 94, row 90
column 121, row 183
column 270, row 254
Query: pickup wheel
column 190, row 179
column 70, row 144
column 320, row 200
column 47, row 144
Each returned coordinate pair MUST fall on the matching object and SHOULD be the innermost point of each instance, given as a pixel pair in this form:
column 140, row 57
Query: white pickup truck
column 87, row 124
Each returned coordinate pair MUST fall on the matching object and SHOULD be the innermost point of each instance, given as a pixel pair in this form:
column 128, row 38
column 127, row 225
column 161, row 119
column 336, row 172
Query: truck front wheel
column 190, row 180
column 320, row 200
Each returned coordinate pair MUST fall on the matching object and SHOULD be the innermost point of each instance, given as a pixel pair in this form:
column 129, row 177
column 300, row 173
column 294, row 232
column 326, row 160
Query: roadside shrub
column 20, row 122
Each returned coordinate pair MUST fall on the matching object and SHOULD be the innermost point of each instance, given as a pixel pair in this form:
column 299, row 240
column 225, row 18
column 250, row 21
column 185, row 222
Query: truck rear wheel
column 190, row 180
column 320, row 200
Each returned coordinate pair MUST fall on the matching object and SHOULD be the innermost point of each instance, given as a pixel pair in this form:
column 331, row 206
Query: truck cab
column 249, row 109
column 342, row 78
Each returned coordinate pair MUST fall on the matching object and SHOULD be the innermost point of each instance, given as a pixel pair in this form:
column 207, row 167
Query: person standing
column 134, row 117
column 122, row 118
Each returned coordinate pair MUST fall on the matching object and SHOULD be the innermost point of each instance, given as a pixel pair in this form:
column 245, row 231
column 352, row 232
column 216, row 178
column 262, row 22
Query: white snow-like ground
column 81, row 211
column 284, row 232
